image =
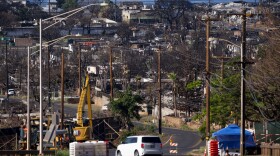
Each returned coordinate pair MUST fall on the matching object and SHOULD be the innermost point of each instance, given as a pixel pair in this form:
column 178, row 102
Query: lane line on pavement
column 197, row 143
column 168, row 140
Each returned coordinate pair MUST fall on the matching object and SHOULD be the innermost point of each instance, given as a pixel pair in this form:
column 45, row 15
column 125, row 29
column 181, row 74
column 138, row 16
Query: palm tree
column 173, row 77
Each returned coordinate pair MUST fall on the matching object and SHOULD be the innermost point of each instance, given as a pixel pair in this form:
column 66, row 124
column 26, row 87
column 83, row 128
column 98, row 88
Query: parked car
column 139, row 146
column 11, row 92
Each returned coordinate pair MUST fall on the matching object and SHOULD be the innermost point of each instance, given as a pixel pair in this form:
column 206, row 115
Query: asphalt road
column 186, row 140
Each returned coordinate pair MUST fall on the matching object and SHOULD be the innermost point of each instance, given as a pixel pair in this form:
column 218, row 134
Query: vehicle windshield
column 151, row 140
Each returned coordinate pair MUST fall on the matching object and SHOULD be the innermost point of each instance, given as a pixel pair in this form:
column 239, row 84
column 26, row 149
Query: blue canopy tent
column 229, row 137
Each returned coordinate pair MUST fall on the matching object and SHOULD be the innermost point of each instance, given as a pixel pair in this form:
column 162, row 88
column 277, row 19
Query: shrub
column 62, row 153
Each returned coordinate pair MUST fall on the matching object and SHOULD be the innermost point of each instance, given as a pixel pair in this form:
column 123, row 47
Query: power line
column 265, row 77
column 256, row 101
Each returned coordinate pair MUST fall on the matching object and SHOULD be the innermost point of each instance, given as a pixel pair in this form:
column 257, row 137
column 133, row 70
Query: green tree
column 127, row 107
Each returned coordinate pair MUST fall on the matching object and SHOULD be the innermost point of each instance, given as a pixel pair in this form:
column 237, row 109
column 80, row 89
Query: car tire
column 119, row 153
column 136, row 153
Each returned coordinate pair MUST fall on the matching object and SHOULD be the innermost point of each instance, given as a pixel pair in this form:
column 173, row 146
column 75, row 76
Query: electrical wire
column 265, row 77
column 256, row 101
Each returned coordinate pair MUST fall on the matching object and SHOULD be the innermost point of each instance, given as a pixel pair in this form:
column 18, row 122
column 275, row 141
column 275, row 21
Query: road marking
column 168, row 140
column 197, row 143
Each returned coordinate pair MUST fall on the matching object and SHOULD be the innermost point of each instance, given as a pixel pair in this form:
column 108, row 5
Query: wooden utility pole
column 207, row 85
column 111, row 75
column 159, row 93
column 207, row 80
column 243, row 64
column 222, row 58
column 80, row 70
column 7, row 74
column 62, row 88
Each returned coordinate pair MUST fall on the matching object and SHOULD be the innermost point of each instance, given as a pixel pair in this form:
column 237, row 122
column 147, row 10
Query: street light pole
column 49, row 82
column 41, row 97
column 62, row 88
column 28, row 102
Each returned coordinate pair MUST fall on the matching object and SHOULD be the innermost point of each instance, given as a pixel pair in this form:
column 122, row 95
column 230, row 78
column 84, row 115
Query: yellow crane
column 84, row 132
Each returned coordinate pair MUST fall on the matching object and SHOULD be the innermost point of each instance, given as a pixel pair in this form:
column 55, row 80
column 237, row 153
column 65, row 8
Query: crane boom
column 82, row 132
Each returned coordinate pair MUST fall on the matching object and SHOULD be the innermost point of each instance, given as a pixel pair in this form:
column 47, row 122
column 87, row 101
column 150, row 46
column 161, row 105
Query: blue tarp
column 229, row 137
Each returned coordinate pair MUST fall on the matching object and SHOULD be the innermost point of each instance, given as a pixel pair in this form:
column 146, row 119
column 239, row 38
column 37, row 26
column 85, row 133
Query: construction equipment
column 83, row 132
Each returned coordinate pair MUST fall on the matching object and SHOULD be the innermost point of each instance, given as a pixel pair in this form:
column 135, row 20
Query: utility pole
column 49, row 78
column 80, row 79
column 7, row 76
column 159, row 93
column 222, row 58
column 111, row 75
column 28, row 102
column 207, row 85
column 207, row 78
column 243, row 64
column 62, row 88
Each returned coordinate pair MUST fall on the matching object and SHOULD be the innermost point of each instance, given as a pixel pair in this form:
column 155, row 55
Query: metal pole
column 207, row 82
column 62, row 88
column 41, row 97
column 159, row 93
column 49, row 82
column 243, row 64
column 7, row 76
column 28, row 102
column 111, row 75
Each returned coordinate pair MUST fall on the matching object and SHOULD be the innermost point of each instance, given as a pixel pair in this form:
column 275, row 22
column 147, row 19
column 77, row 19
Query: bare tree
column 266, row 72
column 171, row 10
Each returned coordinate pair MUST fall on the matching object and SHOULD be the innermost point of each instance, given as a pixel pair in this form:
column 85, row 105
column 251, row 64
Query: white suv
column 11, row 92
column 140, row 146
